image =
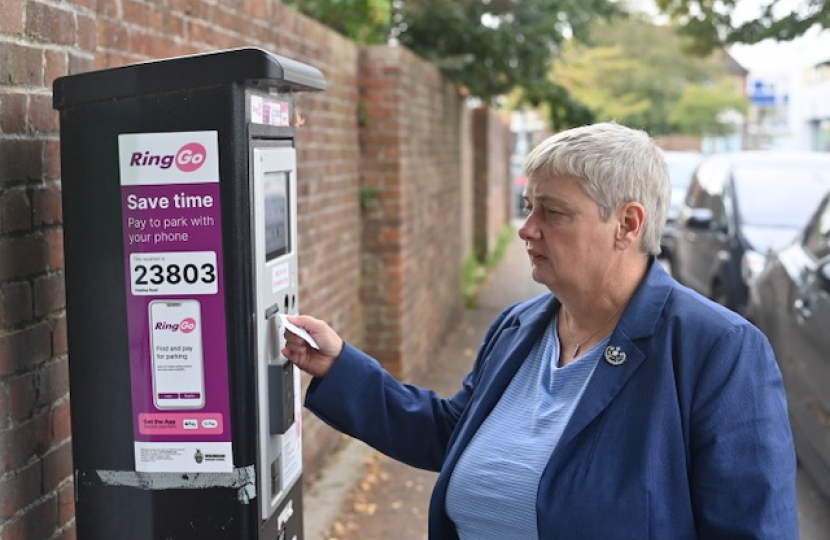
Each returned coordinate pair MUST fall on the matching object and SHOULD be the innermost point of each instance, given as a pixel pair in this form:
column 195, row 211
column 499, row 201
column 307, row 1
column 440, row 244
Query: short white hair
column 615, row 165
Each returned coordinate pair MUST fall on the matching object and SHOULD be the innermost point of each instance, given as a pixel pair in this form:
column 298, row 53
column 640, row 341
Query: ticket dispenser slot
column 275, row 259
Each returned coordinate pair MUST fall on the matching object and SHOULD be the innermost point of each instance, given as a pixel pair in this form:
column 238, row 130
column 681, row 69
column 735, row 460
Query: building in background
column 789, row 90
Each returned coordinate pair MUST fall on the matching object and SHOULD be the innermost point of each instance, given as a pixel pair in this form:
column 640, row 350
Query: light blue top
column 492, row 491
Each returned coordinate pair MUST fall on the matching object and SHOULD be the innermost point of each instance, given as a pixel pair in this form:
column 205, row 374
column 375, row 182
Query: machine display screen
column 277, row 233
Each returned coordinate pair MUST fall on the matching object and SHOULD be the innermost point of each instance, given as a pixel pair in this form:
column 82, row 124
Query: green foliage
column 712, row 24
column 701, row 109
column 636, row 73
column 493, row 46
column 475, row 272
column 364, row 21
column 486, row 46
column 562, row 110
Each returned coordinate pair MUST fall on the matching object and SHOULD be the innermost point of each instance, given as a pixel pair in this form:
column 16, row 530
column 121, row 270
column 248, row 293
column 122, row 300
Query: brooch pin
column 614, row 356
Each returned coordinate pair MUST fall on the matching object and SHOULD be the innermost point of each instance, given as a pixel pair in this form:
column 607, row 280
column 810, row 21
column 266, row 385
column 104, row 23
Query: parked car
column 681, row 165
column 790, row 303
column 739, row 206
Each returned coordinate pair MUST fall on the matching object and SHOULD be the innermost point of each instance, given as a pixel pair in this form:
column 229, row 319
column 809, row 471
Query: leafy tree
column 492, row 46
column 487, row 46
column 636, row 72
column 364, row 21
column 593, row 74
column 704, row 110
column 713, row 24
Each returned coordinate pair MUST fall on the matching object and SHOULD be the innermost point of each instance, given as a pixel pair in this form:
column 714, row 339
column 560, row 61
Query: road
column 813, row 510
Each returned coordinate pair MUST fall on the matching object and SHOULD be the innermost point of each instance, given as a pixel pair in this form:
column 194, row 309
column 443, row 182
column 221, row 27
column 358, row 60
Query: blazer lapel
column 637, row 323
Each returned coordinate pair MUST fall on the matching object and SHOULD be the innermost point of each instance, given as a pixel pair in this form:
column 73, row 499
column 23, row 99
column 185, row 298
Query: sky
column 770, row 56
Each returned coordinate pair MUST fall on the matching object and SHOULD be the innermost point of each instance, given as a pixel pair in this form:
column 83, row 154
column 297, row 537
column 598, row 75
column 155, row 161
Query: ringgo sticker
column 172, row 235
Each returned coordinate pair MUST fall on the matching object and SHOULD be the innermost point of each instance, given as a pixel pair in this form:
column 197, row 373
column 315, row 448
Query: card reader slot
column 280, row 397
column 272, row 311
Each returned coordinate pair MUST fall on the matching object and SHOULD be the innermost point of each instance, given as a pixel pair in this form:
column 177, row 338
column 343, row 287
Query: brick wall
column 492, row 188
column 386, row 205
column 36, row 493
column 412, row 181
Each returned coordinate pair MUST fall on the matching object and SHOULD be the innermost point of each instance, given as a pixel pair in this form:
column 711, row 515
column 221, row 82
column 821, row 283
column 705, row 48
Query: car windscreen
column 780, row 195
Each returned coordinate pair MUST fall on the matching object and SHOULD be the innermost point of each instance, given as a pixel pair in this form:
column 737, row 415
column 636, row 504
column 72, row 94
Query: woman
column 622, row 405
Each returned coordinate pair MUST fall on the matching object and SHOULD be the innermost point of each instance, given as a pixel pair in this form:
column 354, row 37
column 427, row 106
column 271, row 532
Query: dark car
column 681, row 165
column 790, row 303
column 738, row 207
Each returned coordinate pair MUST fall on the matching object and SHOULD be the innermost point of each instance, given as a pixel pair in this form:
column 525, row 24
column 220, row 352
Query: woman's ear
column 630, row 230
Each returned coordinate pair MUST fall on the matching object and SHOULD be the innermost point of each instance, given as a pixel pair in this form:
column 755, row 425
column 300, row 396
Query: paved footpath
column 365, row 495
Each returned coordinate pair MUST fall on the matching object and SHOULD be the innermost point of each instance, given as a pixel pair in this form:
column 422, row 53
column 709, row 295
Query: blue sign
column 762, row 95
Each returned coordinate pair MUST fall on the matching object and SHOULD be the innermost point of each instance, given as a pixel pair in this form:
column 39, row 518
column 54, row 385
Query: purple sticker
column 175, row 301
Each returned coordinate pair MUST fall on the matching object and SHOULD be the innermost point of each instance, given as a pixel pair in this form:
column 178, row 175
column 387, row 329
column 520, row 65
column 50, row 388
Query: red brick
column 87, row 33
column 61, row 422
column 136, row 12
column 16, row 302
column 112, row 34
column 12, row 112
column 38, row 522
column 52, row 161
column 66, row 506
column 54, row 383
column 30, row 346
column 172, row 24
column 57, row 65
column 15, row 211
column 20, row 490
column 50, row 24
column 5, row 421
column 258, row 9
column 12, row 20
column 21, row 65
column 22, row 256
column 70, row 533
column 57, row 466
column 59, row 343
column 20, row 160
column 46, row 203
column 49, row 294
column 32, row 439
column 42, row 117
column 54, row 242
column 23, row 396
column 81, row 64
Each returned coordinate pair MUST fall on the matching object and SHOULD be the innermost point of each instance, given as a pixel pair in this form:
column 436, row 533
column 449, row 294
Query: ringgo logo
column 188, row 158
column 187, row 325
column 159, row 159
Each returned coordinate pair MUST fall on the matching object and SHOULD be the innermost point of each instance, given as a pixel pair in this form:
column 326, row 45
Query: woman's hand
column 313, row 361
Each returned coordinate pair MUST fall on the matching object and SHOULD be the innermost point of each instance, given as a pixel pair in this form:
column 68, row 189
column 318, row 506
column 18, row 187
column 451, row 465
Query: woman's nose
column 528, row 229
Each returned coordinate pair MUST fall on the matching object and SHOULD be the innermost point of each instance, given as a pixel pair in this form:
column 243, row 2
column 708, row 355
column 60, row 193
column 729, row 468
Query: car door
column 704, row 227
column 807, row 370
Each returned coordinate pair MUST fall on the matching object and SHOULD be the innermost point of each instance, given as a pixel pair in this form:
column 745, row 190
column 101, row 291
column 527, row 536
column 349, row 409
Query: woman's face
column 570, row 247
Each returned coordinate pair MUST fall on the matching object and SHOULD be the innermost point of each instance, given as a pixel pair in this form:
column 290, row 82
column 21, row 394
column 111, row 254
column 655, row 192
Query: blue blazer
column 687, row 439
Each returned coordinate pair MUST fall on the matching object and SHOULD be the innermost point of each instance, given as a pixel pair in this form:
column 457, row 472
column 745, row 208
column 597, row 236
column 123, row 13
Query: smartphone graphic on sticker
column 177, row 355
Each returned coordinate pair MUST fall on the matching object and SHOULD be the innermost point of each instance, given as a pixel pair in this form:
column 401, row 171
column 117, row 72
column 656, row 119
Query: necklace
column 582, row 342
